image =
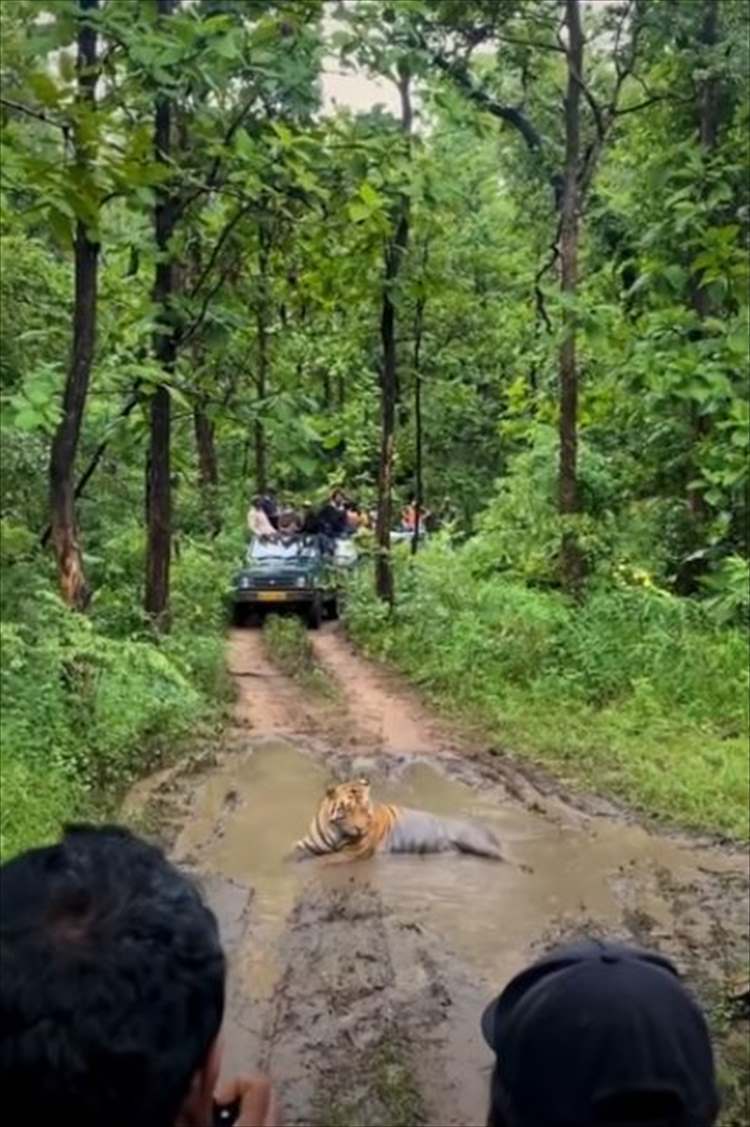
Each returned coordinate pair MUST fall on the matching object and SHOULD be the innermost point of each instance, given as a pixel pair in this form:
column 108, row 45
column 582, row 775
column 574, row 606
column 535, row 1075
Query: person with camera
column 112, row 992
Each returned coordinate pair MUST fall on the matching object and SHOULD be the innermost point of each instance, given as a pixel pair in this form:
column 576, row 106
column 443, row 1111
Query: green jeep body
column 288, row 573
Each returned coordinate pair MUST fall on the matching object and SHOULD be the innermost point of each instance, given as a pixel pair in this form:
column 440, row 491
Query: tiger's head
column 348, row 807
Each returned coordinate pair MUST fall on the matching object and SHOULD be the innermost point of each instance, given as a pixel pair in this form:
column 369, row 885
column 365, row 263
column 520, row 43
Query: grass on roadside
column 385, row 1093
column 730, row 1032
column 289, row 647
column 635, row 694
column 734, row 1077
column 92, row 702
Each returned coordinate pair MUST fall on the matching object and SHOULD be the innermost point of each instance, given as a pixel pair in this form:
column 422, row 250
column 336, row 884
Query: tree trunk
column 205, row 444
column 709, row 95
column 158, row 474
column 64, row 533
column 418, row 475
column 94, row 461
column 394, row 257
column 708, row 108
column 325, row 376
column 261, row 377
column 261, row 482
column 571, row 559
column 208, row 470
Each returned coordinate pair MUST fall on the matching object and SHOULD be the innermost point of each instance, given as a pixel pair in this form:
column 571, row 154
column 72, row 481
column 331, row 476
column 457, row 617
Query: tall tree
column 394, row 258
column 571, row 558
column 158, row 472
column 707, row 114
column 204, row 426
column 419, row 308
column 208, row 466
column 584, row 143
column 64, row 530
column 262, row 310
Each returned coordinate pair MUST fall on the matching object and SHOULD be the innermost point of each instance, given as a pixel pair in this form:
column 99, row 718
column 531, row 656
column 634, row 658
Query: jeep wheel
column 315, row 615
column 332, row 608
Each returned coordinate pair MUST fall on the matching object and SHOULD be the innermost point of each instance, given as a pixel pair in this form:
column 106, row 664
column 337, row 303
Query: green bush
column 624, row 537
column 89, row 702
column 729, row 591
column 636, row 692
column 35, row 804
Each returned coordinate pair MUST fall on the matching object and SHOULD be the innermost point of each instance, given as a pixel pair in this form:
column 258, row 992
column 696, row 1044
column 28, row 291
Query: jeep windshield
column 267, row 549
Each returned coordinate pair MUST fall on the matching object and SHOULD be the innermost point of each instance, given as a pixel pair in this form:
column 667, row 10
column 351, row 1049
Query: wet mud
column 359, row 986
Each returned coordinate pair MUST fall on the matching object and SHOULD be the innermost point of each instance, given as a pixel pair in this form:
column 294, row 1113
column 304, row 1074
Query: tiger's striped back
column 418, row 831
column 349, row 825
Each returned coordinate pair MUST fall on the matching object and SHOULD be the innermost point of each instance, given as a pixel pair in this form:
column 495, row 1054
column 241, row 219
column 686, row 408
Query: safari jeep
column 290, row 573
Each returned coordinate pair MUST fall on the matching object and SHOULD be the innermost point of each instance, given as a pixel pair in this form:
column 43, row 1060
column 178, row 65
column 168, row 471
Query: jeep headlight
column 244, row 582
column 301, row 581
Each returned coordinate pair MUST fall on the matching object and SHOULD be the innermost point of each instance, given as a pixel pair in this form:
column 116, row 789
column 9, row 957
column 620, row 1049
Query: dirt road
column 359, row 987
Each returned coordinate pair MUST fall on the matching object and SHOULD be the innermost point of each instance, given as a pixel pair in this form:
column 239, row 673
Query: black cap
column 595, row 1024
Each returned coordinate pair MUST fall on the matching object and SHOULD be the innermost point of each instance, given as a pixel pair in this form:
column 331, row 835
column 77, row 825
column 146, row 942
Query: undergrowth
column 289, row 647
column 92, row 701
column 636, row 692
column 384, row 1092
column 731, row 1036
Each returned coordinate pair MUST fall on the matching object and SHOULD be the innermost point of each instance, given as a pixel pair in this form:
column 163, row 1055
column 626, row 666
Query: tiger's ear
column 330, row 791
column 363, row 782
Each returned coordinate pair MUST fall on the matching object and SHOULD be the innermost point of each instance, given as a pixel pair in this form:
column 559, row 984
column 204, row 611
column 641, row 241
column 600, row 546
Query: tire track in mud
column 357, row 994
column 387, row 1016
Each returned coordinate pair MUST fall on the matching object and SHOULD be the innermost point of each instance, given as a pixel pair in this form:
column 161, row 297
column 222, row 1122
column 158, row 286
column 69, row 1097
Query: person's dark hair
column 112, row 985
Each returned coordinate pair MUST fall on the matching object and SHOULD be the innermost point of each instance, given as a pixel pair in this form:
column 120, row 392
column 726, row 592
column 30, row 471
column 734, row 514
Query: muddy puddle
column 358, row 987
column 336, row 968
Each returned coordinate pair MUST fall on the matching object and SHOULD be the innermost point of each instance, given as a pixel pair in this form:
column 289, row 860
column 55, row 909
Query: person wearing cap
column 599, row 1034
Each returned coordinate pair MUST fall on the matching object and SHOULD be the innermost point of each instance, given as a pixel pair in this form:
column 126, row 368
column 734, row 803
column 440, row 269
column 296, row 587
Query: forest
column 513, row 287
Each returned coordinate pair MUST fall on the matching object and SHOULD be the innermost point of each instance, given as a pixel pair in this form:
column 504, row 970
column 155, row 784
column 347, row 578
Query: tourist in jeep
column 258, row 523
column 332, row 517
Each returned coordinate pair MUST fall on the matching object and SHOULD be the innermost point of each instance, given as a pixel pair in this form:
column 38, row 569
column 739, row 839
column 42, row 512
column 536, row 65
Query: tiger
column 348, row 825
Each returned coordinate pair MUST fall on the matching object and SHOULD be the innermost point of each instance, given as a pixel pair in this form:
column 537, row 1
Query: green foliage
column 84, row 712
column 636, row 692
column 386, row 1092
column 729, row 589
column 627, row 541
column 199, row 573
column 284, row 210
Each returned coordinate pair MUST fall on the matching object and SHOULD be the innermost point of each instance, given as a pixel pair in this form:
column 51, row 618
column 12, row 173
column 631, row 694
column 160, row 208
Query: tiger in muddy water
column 350, row 826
